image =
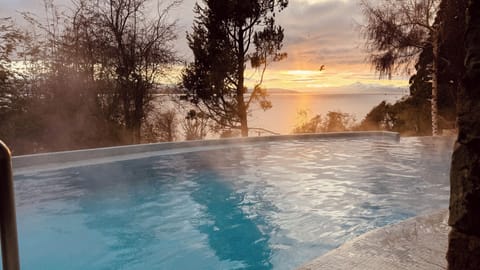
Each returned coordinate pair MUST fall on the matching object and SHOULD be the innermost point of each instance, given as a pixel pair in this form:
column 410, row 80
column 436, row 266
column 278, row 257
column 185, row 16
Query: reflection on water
column 260, row 206
column 232, row 234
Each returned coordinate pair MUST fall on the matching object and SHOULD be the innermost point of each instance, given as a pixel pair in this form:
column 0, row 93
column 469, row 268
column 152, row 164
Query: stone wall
column 464, row 238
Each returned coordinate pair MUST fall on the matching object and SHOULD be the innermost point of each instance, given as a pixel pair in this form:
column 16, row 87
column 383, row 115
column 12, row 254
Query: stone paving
column 417, row 243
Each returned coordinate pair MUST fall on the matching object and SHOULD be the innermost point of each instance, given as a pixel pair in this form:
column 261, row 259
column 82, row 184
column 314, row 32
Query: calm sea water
column 283, row 116
column 262, row 206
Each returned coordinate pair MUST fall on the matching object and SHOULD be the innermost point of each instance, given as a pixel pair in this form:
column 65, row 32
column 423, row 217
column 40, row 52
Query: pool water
column 269, row 205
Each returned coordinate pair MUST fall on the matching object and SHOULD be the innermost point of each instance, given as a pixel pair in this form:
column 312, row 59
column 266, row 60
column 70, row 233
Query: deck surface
column 417, row 243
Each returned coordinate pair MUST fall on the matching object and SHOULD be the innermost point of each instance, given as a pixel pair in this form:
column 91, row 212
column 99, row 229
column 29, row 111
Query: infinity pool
column 269, row 205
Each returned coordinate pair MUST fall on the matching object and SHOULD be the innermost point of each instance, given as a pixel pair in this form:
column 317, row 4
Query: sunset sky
column 317, row 32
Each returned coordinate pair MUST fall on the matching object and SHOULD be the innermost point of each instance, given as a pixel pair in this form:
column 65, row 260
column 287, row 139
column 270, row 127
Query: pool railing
column 8, row 223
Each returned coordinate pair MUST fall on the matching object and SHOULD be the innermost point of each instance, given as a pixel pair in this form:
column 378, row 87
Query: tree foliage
column 451, row 68
column 411, row 116
column 86, row 74
column 397, row 33
column 333, row 121
column 135, row 50
column 10, row 80
column 161, row 127
column 14, row 100
column 225, row 36
column 195, row 125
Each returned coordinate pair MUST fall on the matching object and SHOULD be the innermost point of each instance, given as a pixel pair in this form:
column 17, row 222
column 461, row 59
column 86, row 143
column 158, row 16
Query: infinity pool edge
column 63, row 159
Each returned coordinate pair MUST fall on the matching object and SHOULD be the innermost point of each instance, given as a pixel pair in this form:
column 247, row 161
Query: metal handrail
column 260, row 130
column 8, row 222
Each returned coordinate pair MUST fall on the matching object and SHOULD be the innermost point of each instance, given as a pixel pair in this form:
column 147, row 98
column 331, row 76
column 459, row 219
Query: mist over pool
column 268, row 205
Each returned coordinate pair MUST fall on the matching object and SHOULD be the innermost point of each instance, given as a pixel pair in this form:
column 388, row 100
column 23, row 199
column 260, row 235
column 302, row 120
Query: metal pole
column 8, row 223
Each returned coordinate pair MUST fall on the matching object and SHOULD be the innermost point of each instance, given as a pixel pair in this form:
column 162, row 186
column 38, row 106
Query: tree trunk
column 127, row 115
column 241, row 106
column 138, row 113
column 464, row 239
column 136, row 133
column 434, row 100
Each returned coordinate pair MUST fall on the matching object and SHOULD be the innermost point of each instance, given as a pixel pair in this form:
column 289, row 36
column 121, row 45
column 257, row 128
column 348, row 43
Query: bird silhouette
column 322, row 68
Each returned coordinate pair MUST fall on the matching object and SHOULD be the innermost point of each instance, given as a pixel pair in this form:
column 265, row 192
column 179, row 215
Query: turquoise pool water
column 269, row 205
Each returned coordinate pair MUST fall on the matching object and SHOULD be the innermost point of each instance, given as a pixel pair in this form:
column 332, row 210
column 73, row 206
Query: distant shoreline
column 330, row 94
column 305, row 94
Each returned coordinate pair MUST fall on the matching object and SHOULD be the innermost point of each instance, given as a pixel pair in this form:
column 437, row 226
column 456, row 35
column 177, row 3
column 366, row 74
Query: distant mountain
column 361, row 88
column 281, row 91
column 377, row 88
column 354, row 89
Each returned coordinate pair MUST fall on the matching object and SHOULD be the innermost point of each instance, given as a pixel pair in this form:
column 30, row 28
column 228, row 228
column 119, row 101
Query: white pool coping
column 419, row 243
column 67, row 159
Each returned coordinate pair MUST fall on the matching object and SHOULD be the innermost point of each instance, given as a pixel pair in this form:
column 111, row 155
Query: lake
column 283, row 116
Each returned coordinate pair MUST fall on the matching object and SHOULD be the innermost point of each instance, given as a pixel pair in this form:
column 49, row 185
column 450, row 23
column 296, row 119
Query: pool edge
column 45, row 159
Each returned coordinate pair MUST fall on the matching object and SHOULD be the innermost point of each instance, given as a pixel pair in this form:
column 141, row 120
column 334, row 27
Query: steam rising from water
column 259, row 206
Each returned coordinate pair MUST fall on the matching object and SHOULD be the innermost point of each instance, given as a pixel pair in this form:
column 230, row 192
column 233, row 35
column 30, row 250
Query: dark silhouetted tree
column 61, row 89
column 14, row 101
column 161, row 127
column 226, row 35
column 195, row 125
column 306, row 124
column 397, row 33
column 377, row 118
column 333, row 121
column 451, row 68
column 409, row 116
column 82, row 77
column 10, row 98
column 133, row 48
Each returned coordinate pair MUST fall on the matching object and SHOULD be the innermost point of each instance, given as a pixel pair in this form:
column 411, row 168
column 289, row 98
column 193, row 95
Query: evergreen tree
column 438, row 69
column 226, row 35
column 397, row 34
column 451, row 66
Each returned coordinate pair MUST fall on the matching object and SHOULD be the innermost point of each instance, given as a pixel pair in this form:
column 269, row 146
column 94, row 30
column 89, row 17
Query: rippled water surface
column 259, row 206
